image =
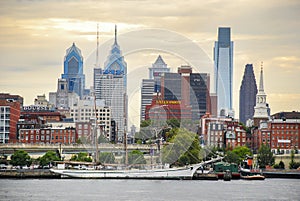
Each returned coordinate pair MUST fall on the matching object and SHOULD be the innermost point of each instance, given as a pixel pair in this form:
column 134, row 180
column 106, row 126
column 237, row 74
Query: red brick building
column 48, row 136
column 9, row 116
column 280, row 134
column 167, row 109
column 222, row 132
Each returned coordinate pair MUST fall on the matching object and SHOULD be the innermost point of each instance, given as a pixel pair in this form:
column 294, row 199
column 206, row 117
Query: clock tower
column 261, row 108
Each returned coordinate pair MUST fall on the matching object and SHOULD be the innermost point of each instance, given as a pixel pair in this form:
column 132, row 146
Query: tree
column 265, row 156
column 293, row 164
column 135, row 157
column 242, row 152
column 145, row 123
column 107, row 157
column 183, row 148
column 48, row 158
column 173, row 122
column 232, row 157
column 81, row 156
column 20, row 158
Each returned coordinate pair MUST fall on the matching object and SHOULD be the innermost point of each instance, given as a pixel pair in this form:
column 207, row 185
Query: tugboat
column 249, row 173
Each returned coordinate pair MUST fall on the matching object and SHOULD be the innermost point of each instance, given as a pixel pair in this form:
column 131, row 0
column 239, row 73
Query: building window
column 37, row 137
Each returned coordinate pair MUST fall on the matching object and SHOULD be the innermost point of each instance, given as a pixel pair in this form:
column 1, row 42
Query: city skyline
column 33, row 42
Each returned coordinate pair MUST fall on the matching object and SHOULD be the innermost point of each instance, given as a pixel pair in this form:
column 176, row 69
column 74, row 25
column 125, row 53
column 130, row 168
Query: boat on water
column 220, row 169
column 251, row 174
column 186, row 172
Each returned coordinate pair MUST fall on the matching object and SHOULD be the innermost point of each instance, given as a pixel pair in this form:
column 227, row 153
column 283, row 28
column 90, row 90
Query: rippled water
column 146, row 190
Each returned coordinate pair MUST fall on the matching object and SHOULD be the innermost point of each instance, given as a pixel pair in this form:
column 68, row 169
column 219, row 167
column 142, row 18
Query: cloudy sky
column 35, row 34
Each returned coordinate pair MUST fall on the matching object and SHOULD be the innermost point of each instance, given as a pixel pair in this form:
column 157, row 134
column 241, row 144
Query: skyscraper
column 157, row 70
column 111, row 85
column 73, row 70
column 261, row 109
column 153, row 84
column 147, row 91
column 189, row 88
column 248, row 91
column 223, row 70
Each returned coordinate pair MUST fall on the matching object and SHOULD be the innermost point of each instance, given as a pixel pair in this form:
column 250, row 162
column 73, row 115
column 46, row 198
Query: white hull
column 171, row 173
column 168, row 173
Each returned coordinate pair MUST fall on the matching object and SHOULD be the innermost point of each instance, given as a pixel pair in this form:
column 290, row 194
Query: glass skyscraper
column 73, row 70
column 248, row 93
column 223, row 70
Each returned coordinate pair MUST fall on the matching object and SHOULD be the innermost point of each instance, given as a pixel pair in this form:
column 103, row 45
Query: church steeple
column 261, row 81
column 261, row 109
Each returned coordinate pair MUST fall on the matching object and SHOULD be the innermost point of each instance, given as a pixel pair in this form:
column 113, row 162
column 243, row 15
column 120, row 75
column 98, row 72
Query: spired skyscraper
column 223, row 70
column 110, row 84
column 153, row 84
column 73, row 71
column 248, row 91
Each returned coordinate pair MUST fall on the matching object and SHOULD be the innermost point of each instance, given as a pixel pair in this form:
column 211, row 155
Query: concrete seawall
column 24, row 173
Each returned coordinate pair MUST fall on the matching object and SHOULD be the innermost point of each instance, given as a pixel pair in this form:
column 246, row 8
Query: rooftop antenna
column 97, row 49
column 115, row 34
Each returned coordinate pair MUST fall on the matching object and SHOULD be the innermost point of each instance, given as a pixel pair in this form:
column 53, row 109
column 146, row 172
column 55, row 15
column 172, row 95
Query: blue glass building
column 73, row 70
column 116, row 64
column 223, row 70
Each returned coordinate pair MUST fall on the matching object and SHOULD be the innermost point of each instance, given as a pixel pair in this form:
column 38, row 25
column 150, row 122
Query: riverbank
column 31, row 173
column 287, row 174
column 45, row 173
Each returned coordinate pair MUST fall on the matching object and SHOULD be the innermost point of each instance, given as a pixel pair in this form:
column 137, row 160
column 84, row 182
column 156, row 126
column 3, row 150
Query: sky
column 34, row 36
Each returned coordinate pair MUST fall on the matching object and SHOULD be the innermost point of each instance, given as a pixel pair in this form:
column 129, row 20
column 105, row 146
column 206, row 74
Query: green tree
column 107, row 157
column 20, row 158
column 48, row 158
column 242, row 152
column 232, row 157
column 265, row 156
column 173, row 122
column 81, row 156
column 293, row 164
column 145, row 123
column 183, row 148
column 135, row 157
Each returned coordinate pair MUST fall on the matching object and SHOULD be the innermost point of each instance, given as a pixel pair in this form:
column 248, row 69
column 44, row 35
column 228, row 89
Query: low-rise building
column 9, row 116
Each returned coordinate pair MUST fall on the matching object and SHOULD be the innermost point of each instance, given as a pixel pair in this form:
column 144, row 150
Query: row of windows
column 47, row 138
column 285, row 126
column 285, row 132
column 90, row 110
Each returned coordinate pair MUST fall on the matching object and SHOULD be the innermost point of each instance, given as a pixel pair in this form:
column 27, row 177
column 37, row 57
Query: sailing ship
column 186, row 172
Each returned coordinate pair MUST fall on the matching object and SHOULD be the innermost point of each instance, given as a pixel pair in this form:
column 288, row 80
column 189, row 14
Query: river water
column 146, row 190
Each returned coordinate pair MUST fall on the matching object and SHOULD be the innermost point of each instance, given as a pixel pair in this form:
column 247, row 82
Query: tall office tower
column 97, row 74
column 261, row 109
column 153, row 84
column 190, row 88
column 111, row 85
column 223, row 70
column 157, row 70
column 73, row 70
column 9, row 116
column 147, row 92
column 248, row 91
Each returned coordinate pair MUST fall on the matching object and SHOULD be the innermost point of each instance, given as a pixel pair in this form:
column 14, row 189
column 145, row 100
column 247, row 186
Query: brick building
column 9, row 116
column 64, row 135
column 221, row 132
